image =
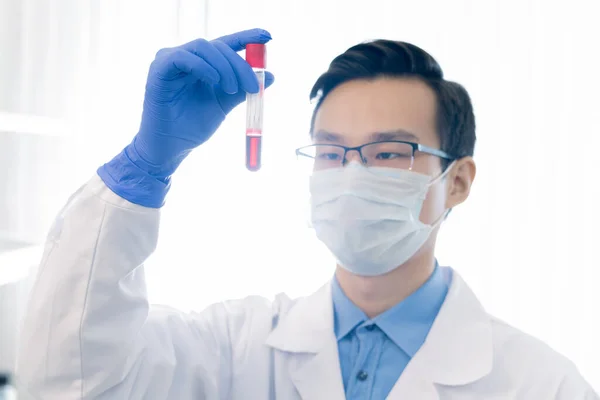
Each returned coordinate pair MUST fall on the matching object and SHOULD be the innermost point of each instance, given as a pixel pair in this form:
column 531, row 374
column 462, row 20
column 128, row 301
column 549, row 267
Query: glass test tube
column 256, row 57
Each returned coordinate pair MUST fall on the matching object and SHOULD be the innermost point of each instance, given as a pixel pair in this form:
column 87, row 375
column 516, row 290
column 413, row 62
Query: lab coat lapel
column 306, row 336
column 318, row 376
column 457, row 351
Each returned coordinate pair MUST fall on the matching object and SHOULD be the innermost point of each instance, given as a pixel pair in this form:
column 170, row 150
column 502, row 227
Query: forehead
column 359, row 111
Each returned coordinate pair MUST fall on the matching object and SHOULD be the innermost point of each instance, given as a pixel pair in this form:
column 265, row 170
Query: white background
column 525, row 241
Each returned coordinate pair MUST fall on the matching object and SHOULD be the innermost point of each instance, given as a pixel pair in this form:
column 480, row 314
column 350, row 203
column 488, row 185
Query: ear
column 460, row 180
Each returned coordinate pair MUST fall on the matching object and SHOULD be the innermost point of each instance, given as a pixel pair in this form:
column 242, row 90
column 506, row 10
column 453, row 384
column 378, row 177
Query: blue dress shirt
column 374, row 352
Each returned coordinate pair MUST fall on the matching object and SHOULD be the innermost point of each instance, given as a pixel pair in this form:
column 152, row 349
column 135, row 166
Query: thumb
column 269, row 79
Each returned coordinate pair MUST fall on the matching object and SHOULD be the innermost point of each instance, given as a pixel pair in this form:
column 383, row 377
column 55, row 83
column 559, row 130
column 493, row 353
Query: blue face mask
column 369, row 217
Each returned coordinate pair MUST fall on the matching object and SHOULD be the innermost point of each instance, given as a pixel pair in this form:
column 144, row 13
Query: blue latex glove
column 189, row 91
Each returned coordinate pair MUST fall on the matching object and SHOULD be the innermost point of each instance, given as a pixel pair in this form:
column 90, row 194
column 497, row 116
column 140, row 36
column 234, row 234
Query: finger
column 240, row 96
column 179, row 61
column 245, row 75
column 239, row 40
column 217, row 60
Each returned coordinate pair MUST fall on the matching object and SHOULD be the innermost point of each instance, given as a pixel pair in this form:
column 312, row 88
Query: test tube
column 256, row 56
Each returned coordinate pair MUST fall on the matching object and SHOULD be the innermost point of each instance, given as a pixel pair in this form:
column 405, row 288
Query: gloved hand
column 189, row 91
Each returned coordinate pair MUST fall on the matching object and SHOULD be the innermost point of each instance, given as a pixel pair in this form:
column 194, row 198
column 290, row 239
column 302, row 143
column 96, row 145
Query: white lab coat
column 89, row 332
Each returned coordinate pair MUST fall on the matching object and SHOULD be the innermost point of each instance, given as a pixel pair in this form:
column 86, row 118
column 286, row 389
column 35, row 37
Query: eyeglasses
column 391, row 154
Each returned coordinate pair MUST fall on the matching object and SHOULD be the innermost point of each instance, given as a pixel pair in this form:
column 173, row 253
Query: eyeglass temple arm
column 434, row 152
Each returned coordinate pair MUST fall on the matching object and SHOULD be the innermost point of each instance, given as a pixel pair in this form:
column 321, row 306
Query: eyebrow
column 400, row 134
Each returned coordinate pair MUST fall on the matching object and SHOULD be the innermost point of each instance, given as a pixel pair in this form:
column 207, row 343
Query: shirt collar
column 408, row 323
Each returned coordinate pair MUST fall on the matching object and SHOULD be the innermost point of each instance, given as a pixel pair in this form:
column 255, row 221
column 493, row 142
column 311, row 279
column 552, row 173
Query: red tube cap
column 256, row 55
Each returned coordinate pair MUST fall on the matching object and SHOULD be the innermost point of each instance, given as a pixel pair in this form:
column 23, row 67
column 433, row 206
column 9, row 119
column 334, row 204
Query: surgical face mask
column 369, row 217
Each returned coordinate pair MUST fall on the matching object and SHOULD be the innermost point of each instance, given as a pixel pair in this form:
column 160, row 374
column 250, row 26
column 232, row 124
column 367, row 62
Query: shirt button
column 362, row 376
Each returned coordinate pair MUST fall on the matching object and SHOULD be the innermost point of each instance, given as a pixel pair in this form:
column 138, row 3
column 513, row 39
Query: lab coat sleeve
column 575, row 387
column 89, row 331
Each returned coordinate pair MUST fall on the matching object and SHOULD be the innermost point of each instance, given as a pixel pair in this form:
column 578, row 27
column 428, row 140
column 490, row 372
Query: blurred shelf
column 17, row 259
column 33, row 124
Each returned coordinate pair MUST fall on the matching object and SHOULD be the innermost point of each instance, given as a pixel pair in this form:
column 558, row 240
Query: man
column 391, row 153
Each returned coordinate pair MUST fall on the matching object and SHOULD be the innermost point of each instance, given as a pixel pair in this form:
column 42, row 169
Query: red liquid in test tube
column 256, row 56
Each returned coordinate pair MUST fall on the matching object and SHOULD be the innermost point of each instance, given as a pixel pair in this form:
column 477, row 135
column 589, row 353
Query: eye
column 329, row 156
column 328, row 153
column 391, row 156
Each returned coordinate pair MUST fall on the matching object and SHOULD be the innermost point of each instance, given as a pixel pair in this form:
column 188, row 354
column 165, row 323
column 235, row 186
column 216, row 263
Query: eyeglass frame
column 415, row 147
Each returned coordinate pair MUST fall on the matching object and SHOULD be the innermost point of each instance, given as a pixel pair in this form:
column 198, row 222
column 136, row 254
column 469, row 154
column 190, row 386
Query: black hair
column 386, row 58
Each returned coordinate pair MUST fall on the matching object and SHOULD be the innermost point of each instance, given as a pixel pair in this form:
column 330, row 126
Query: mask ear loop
column 439, row 220
column 435, row 180
column 432, row 182
column 442, row 175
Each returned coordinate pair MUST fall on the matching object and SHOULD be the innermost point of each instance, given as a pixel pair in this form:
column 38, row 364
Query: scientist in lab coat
column 392, row 146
